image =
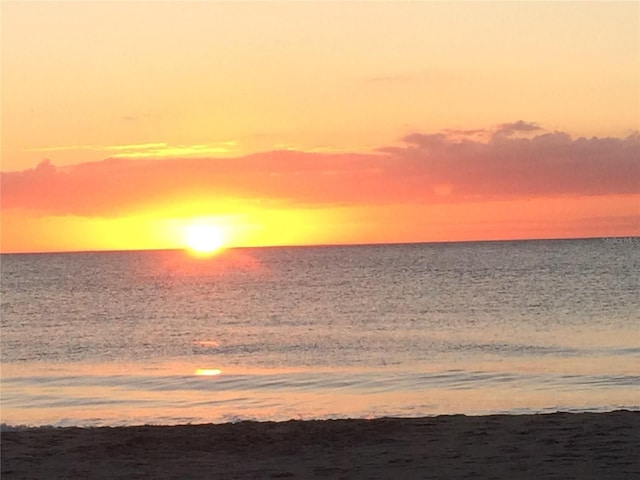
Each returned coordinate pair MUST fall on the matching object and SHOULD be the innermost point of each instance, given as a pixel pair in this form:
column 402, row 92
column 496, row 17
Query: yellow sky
column 87, row 81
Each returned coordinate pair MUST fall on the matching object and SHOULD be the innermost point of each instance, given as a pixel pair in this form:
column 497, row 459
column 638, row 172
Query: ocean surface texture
column 160, row 337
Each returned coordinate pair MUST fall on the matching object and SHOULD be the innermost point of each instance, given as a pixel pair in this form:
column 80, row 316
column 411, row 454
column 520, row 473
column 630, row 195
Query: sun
column 202, row 239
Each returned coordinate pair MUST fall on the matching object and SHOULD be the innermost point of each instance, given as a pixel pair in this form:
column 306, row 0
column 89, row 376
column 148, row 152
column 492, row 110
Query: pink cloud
column 515, row 160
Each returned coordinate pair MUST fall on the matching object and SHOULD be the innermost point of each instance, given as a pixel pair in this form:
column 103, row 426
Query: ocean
column 162, row 337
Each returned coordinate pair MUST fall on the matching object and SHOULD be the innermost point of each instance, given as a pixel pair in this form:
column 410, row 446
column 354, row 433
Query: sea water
column 163, row 337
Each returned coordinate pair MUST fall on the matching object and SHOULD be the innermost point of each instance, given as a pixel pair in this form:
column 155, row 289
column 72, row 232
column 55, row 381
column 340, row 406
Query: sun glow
column 204, row 239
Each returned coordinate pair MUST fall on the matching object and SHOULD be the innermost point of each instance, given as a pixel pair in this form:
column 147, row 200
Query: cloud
column 419, row 76
column 149, row 150
column 424, row 140
column 550, row 163
column 440, row 167
column 508, row 129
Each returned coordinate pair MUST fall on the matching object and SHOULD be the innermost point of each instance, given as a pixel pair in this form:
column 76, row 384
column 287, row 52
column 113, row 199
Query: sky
column 123, row 124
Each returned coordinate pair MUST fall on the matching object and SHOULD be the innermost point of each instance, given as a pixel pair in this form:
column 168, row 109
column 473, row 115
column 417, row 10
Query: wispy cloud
column 165, row 150
column 419, row 76
column 148, row 150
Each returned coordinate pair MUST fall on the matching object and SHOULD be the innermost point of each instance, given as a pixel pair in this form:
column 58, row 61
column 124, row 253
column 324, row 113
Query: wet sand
column 559, row 446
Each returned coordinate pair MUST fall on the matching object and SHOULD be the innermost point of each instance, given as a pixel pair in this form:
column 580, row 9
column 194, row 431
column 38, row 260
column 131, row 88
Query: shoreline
column 548, row 445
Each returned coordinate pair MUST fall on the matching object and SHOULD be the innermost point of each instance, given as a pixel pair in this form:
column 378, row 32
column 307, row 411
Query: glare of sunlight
column 204, row 239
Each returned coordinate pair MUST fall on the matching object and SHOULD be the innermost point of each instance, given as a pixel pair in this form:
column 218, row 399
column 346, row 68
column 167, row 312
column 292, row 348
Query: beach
column 555, row 445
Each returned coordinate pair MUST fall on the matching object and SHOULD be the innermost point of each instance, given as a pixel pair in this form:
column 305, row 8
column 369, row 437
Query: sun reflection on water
column 207, row 372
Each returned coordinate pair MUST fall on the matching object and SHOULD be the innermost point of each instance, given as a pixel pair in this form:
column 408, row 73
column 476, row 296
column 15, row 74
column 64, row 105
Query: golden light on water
column 207, row 343
column 208, row 372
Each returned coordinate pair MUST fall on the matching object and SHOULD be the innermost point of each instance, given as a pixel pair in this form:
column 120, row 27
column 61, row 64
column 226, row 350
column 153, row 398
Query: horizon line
column 328, row 245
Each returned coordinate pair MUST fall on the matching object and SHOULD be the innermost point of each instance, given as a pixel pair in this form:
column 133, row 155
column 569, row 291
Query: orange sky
column 306, row 122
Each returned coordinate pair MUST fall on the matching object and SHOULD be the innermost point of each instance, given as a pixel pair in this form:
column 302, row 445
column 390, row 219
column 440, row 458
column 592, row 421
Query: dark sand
column 560, row 445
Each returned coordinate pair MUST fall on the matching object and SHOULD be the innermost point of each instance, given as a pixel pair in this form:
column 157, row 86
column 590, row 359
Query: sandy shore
column 560, row 445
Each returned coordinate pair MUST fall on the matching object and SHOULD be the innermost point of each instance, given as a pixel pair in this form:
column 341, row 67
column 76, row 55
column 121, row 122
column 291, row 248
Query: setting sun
column 204, row 239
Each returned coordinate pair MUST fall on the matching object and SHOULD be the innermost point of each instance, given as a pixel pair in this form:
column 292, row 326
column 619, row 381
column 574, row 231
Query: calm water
column 279, row 333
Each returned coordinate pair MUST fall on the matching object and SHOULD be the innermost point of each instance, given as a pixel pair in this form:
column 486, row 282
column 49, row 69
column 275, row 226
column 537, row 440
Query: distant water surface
column 121, row 338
